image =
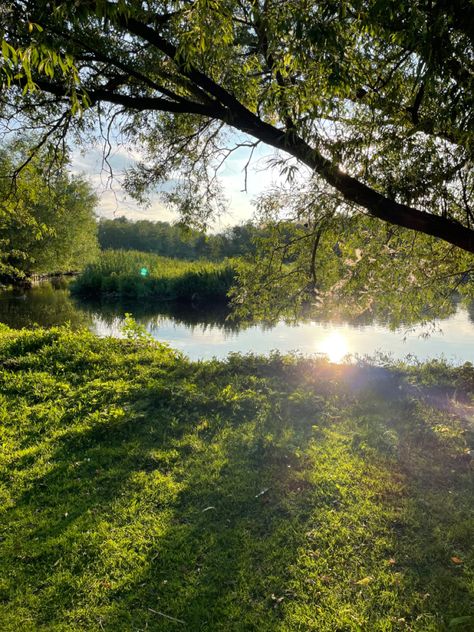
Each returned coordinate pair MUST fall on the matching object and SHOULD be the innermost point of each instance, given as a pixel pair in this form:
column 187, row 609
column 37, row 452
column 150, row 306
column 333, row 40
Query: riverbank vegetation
column 143, row 275
column 47, row 216
column 397, row 148
column 142, row 491
column 338, row 267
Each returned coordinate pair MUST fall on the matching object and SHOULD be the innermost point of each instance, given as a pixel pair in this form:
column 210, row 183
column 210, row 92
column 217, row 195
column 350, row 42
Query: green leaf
column 460, row 621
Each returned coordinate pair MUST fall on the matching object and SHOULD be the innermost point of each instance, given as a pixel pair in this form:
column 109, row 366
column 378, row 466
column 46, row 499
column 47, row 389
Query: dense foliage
column 374, row 97
column 144, row 275
column 348, row 267
column 171, row 240
column 253, row 494
column 47, row 221
column 338, row 267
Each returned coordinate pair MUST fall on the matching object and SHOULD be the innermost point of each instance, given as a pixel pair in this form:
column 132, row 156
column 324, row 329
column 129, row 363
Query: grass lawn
column 140, row 491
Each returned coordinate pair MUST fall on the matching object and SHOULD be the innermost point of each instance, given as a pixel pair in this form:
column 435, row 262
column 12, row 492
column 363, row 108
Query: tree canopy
column 47, row 225
column 369, row 104
column 374, row 97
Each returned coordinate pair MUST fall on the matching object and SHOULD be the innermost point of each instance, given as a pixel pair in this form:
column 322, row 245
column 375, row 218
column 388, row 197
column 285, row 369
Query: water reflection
column 206, row 333
column 45, row 305
column 154, row 314
column 335, row 346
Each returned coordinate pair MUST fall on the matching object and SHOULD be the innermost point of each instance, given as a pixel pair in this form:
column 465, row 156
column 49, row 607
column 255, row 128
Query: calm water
column 206, row 334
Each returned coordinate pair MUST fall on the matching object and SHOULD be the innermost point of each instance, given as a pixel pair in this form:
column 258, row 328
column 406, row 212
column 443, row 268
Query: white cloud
column 106, row 176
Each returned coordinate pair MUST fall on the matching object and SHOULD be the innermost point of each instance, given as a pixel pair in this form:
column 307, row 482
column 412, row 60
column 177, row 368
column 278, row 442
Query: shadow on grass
column 207, row 500
column 90, row 482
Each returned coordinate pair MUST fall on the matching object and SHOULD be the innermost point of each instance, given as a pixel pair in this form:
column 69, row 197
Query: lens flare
column 334, row 346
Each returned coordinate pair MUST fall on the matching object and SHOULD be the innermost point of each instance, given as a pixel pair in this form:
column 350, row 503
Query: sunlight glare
column 334, row 346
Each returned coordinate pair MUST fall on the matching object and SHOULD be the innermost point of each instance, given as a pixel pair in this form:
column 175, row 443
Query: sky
column 114, row 202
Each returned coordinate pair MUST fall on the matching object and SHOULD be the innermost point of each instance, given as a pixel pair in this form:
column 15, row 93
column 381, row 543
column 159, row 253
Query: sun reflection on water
column 335, row 346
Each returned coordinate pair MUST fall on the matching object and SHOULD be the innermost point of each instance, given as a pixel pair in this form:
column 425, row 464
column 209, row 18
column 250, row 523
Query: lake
column 205, row 334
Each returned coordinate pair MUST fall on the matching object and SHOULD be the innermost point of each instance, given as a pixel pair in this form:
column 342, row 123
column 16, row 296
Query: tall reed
column 136, row 274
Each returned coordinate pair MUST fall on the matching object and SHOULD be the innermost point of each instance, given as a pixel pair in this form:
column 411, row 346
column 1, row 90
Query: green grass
column 265, row 494
column 117, row 274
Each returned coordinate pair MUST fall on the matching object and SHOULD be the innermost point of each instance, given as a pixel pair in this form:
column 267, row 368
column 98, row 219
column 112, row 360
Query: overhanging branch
column 220, row 104
column 138, row 102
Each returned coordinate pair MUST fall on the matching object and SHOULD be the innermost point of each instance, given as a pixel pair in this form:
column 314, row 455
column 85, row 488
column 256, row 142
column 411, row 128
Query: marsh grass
column 118, row 274
column 258, row 493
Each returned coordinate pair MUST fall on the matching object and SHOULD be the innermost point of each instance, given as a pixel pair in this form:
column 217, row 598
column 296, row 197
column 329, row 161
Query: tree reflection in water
column 50, row 303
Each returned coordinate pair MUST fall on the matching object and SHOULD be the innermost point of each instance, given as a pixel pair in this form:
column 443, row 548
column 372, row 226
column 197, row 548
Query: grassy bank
column 135, row 274
column 140, row 491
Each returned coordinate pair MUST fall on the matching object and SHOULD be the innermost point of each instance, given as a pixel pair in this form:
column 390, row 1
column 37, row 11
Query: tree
column 370, row 100
column 174, row 240
column 45, row 226
column 351, row 270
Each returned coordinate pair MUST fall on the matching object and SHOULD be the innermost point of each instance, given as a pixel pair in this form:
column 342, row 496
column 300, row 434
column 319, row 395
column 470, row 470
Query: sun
column 334, row 346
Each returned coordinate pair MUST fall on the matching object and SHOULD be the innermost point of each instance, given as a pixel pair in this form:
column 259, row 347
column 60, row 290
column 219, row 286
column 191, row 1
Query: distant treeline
column 170, row 240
